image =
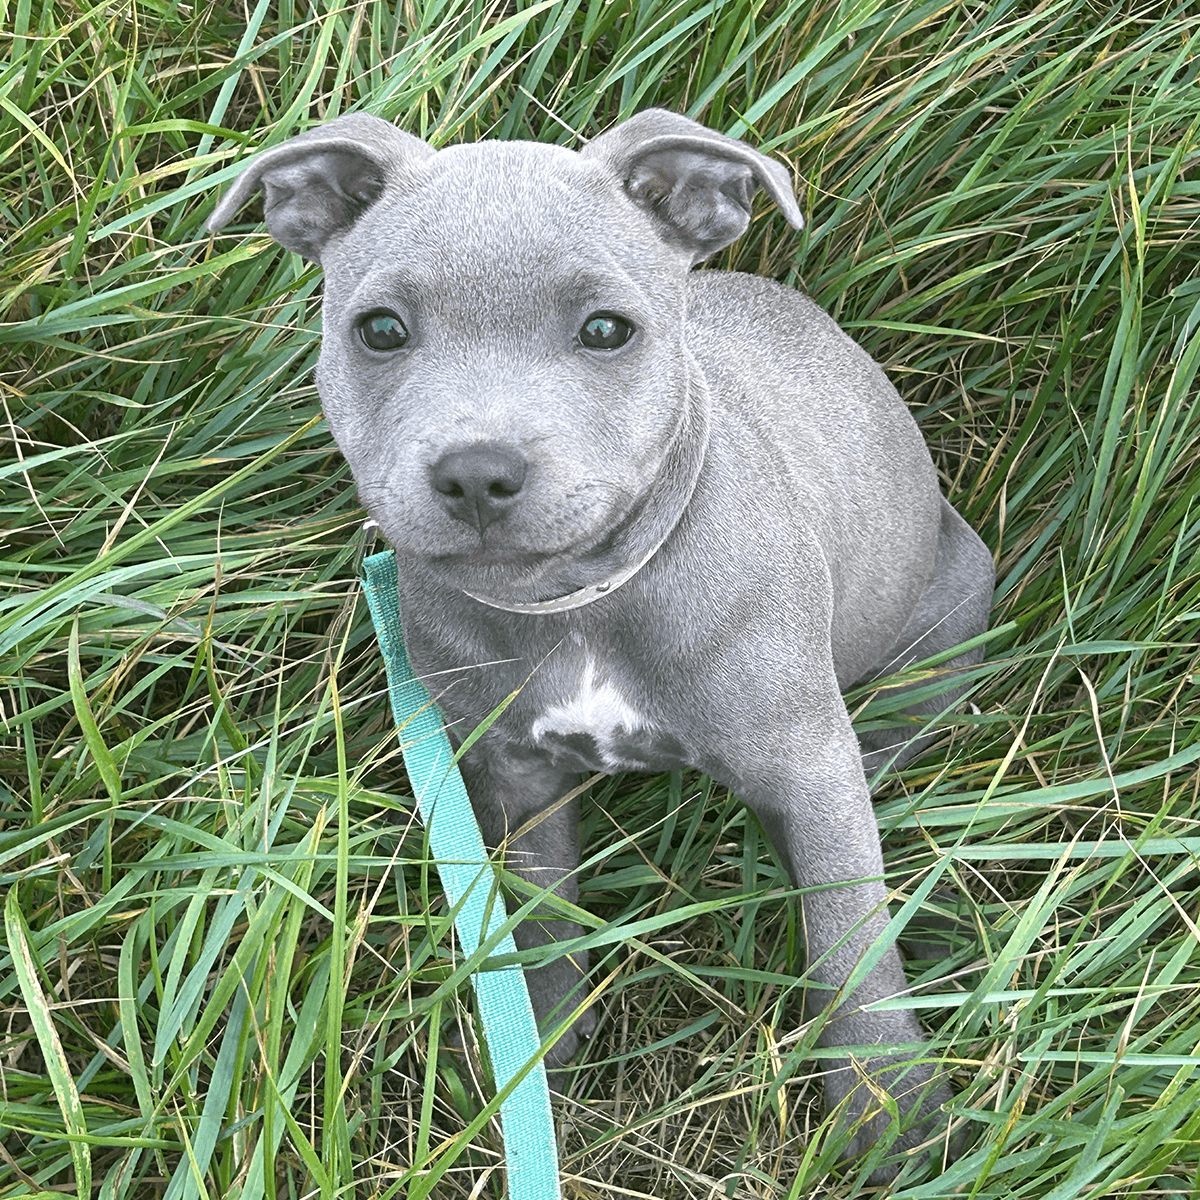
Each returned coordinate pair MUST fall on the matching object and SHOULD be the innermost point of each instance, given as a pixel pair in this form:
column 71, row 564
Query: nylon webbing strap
column 469, row 881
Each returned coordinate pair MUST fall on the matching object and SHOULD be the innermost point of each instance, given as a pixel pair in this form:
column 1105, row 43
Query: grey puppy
column 677, row 511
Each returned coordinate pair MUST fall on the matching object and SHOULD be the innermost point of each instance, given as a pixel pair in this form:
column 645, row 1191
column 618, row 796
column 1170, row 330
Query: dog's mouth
column 510, row 574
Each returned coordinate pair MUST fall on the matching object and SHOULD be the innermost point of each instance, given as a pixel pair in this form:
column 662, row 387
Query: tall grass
column 227, row 967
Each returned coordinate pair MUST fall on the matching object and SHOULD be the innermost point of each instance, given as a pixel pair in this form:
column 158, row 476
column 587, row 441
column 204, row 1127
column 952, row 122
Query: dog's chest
column 589, row 721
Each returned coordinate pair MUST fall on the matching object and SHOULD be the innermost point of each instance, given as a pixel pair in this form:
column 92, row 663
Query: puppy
column 677, row 512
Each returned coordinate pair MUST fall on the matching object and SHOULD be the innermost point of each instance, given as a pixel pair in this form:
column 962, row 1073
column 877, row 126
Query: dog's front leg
column 516, row 801
column 818, row 814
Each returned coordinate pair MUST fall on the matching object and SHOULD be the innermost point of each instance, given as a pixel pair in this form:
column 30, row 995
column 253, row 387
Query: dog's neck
column 643, row 531
column 579, row 597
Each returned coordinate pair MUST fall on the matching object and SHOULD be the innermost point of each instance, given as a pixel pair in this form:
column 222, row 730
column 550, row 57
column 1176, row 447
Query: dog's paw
column 900, row 1108
column 556, row 1058
column 454, row 1039
column 564, row 1050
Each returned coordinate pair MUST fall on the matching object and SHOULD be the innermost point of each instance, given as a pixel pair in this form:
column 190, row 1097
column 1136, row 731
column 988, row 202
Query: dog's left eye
column 605, row 331
column 382, row 331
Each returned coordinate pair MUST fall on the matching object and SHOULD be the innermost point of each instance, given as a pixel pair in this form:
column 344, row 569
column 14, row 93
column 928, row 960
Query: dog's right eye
column 382, row 331
column 605, row 331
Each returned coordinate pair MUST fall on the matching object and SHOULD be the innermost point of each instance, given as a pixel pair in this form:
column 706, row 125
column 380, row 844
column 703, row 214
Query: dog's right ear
column 319, row 183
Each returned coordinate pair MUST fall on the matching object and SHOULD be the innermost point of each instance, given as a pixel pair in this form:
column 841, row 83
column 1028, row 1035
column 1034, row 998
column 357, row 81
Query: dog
column 675, row 512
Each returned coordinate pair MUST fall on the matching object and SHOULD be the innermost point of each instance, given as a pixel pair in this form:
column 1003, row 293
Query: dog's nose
column 478, row 483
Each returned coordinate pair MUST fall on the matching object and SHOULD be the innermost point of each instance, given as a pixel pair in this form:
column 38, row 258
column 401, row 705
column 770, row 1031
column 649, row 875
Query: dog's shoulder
column 718, row 288
column 754, row 336
column 736, row 314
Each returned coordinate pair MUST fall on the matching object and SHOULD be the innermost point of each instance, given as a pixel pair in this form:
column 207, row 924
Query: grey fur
column 805, row 543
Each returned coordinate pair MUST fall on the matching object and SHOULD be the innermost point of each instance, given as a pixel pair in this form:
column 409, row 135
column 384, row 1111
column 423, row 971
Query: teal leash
column 469, row 881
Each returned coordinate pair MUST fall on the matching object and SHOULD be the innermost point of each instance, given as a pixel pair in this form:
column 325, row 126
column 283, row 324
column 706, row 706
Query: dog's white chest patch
column 597, row 714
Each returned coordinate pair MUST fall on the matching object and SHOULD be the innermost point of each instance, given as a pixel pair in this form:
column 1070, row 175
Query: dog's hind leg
column 953, row 609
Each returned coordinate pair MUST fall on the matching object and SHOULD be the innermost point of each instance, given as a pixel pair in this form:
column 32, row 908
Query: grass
column 227, row 967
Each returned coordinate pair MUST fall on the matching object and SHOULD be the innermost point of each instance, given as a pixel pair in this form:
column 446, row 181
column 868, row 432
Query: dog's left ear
column 695, row 184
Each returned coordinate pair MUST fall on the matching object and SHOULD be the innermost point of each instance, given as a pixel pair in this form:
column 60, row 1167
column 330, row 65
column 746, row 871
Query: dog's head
column 503, row 362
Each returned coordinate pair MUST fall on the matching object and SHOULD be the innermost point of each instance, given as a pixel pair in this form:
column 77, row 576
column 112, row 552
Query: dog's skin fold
column 537, row 394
